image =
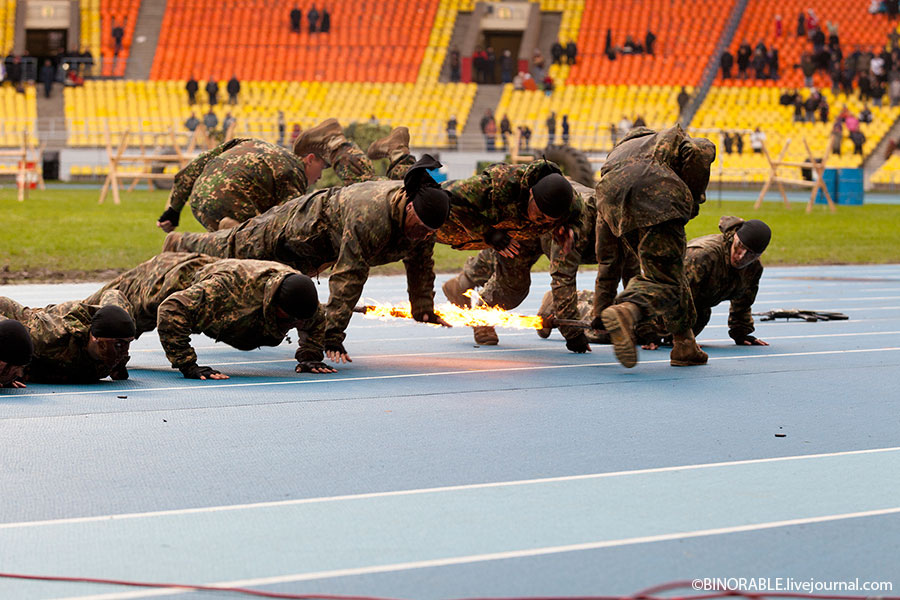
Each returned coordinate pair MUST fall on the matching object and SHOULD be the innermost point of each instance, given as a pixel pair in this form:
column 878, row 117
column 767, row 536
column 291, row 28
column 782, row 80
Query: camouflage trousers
column 506, row 281
column 661, row 289
column 11, row 309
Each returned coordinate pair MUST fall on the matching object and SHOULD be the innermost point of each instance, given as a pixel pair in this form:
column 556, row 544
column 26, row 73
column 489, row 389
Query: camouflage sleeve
column 740, row 319
column 610, row 257
column 468, row 197
column 182, row 314
column 563, row 271
column 117, row 298
column 345, row 285
column 312, row 348
column 420, row 278
column 185, row 178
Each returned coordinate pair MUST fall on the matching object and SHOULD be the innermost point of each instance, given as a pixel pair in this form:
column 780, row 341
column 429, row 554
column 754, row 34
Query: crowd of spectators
column 319, row 21
column 630, row 46
column 490, row 129
column 67, row 68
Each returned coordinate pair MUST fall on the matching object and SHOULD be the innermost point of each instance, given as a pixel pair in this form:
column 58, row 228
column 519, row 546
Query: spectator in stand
column 743, row 59
column 451, row 132
column 548, row 85
column 571, row 52
column 811, row 105
column 609, row 50
column 876, row 90
column 726, row 62
column 757, row 138
column 325, row 27
column 856, row 135
column 835, row 74
column 772, row 60
column 14, row 72
column 47, row 77
column 538, row 66
column 787, row 98
column 551, row 129
column 778, row 26
column 295, row 133
column 478, row 59
column 227, row 123
column 490, row 66
column 87, row 62
column 801, row 24
column 210, row 121
column 613, row 135
column 489, row 130
column 505, row 131
column 313, row 17
column 812, row 22
column 837, row 135
column 519, row 81
column 233, row 88
column 639, row 122
column 894, row 39
column 192, row 123
column 192, row 86
column 738, row 143
column 629, row 47
column 282, row 127
column 649, row 42
column 506, row 67
column 118, row 32
column 565, row 130
column 759, row 63
column 455, row 65
column 296, row 18
column 807, row 67
column 893, row 89
column 524, row 138
column 727, row 142
column 212, row 90
column 683, row 99
column 556, row 53
column 865, row 115
column 823, row 109
column 865, row 86
column 834, row 40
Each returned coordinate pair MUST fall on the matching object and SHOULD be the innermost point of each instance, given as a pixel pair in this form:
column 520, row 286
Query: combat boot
column 454, row 288
column 685, row 351
column 619, row 320
column 546, row 311
column 485, row 335
column 394, row 145
column 322, row 140
column 173, row 242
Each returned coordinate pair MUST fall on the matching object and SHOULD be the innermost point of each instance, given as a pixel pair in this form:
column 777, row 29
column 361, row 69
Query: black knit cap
column 297, row 296
column 432, row 206
column 112, row 322
column 16, row 347
column 754, row 235
column 553, row 195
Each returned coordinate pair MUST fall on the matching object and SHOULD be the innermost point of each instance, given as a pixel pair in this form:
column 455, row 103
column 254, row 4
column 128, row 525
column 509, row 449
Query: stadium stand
column 19, row 113
column 90, row 26
column 97, row 19
column 7, row 25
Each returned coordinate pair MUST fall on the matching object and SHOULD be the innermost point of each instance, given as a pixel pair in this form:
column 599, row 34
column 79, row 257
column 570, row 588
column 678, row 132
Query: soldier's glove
column 120, row 373
column 313, row 366
column 193, row 371
column 578, row 344
column 430, row 317
column 747, row 339
column 171, row 215
column 333, row 346
column 597, row 323
column 497, row 239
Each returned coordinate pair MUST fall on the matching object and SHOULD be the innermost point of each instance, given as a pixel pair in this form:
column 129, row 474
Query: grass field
column 65, row 234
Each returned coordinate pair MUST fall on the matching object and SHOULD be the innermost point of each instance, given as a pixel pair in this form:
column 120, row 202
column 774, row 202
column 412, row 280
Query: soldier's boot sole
column 320, row 140
column 619, row 323
column 546, row 310
column 485, row 336
column 173, row 242
column 454, row 289
column 396, row 143
column 686, row 352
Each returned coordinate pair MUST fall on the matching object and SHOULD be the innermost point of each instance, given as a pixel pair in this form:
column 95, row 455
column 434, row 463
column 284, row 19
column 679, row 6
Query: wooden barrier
column 23, row 156
column 145, row 160
column 818, row 183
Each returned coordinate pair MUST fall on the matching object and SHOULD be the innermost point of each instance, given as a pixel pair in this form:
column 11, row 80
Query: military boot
column 546, row 311
column 619, row 320
column 323, row 140
column 395, row 145
column 485, row 335
column 454, row 288
column 686, row 352
column 173, row 242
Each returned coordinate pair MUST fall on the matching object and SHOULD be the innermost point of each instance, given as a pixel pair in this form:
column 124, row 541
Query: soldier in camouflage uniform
column 239, row 302
column 651, row 185
column 245, row 177
column 75, row 342
column 479, row 270
column 16, row 349
column 352, row 228
column 507, row 208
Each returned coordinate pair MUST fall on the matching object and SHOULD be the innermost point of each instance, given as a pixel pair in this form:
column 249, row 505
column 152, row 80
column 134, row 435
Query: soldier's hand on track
column 338, row 356
column 168, row 221
column 14, row 384
column 313, row 366
column 578, row 344
column 197, row 372
column 431, row 317
column 750, row 340
column 650, row 346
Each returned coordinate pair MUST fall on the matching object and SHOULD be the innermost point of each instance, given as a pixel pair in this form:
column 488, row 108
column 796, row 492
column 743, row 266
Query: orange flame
column 482, row 315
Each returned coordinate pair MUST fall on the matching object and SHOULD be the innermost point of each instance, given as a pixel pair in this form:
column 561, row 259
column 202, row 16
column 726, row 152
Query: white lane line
column 476, row 558
column 329, row 379
column 444, row 489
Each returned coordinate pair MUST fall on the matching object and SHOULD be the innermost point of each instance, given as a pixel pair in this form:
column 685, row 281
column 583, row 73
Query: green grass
column 66, row 233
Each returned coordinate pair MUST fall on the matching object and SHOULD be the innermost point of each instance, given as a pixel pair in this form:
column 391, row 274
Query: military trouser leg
column 400, row 165
column 11, row 309
column 479, row 268
column 352, row 165
column 211, row 210
column 213, row 244
column 511, row 279
column 661, row 289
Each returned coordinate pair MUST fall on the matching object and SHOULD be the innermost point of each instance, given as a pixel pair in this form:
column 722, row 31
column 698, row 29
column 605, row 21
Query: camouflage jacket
column 353, row 228
column 60, row 333
column 260, row 172
column 497, row 199
column 231, row 301
column 712, row 278
column 650, row 178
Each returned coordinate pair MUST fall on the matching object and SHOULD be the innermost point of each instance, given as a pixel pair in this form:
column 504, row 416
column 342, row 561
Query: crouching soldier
column 16, row 349
column 244, row 303
column 75, row 342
